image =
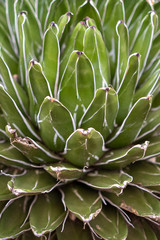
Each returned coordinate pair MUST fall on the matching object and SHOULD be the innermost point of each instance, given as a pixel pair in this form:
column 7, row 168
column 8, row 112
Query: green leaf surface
column 107, row 180
column 84, row 202
column 55, row 123
column 12, row 219
column 94, row 48
column 5, row 194
column 132, row 124
column 120, row 158
column 138, row 202
column 15, row 117
column 109, row 224
column 62, row 24
column 84, row 147
column 49, row 209
column 74, row 229
column 153, row 149
column 31, row 182
column 127, row 87
column 3, row 124
column 101, row 113
column 64, row 171
column 77, row 85
column 50, row 56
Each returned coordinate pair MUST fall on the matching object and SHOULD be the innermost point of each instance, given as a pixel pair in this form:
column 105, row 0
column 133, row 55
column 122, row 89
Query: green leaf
column 113, row 12
column 14, row 116
column 141, row 231
column 38, row 88
column 109, row 224
column 153, row 149
column 96, row 51
column 50, row 57
column 120, row 158
column 84, row 147
column 127, row 87
column 62, row 24
column 138, row 202
column 145, row 174
column 132, row 124
column 3, row 124
column 31, row 182
column 101, row 113
column 64, row 171
column 49, row 209
column 107, row 180
column 5, row 194
column 55, row 123
column 12, row 157
column 77, row 85
column 84, row 202
column 145, row 34
column 12, row 220
column 123, row 50
column 74, row 229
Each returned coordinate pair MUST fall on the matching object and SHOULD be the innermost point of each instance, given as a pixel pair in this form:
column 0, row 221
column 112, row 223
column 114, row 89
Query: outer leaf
column 136, row 201
column 113, row 12
column 38, row 88
column 32, row 182
column 56, row 123
column 119, row 158
column 127, row 87
column 14, row 116
column 77, row 85
column 96, row 51
column 107, row 180
column 62, row 23
column 132, row 124
column 84, row 148
column 84, row 202
column 64, row 171
column 101, row 113
column 12, row 219
column 141, row 231
column 109, row 224
column 5, row 194
column 74, row 229
column 123, row 50
column 49, row 209
column 50, row 57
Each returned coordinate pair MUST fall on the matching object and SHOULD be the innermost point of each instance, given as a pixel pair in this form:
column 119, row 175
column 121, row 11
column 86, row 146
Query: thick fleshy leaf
column 132, row 124
column 13, row 88
column 138, row 202
column 3, row 124
column 48, row 208
column 84, row 202
column 141, row 231
column 107, row 180
column 13, row 218
column 38, row 88
column 145, row 174
column 109, row 224
column 12, row 157
column 84, row 147
column 101, row 113
column 14, row 116
column 62, row 24
column 145, row 33
column 96, row 51
column 123, row 50
column 5, row 194
column 55, row 123
column 113, row 12
column 31, row 182
column 50, row 57
column 77, row 85
column 64, row 171
column 74, row 229
column 127, row 87
column 88, row 9
column 153, row 149
column 120, row 158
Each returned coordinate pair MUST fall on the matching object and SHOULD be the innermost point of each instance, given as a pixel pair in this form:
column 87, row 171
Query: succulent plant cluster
column 80, row 119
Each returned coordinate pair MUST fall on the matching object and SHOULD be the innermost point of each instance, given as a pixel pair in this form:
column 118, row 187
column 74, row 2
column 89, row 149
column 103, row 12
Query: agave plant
column 79, row 119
